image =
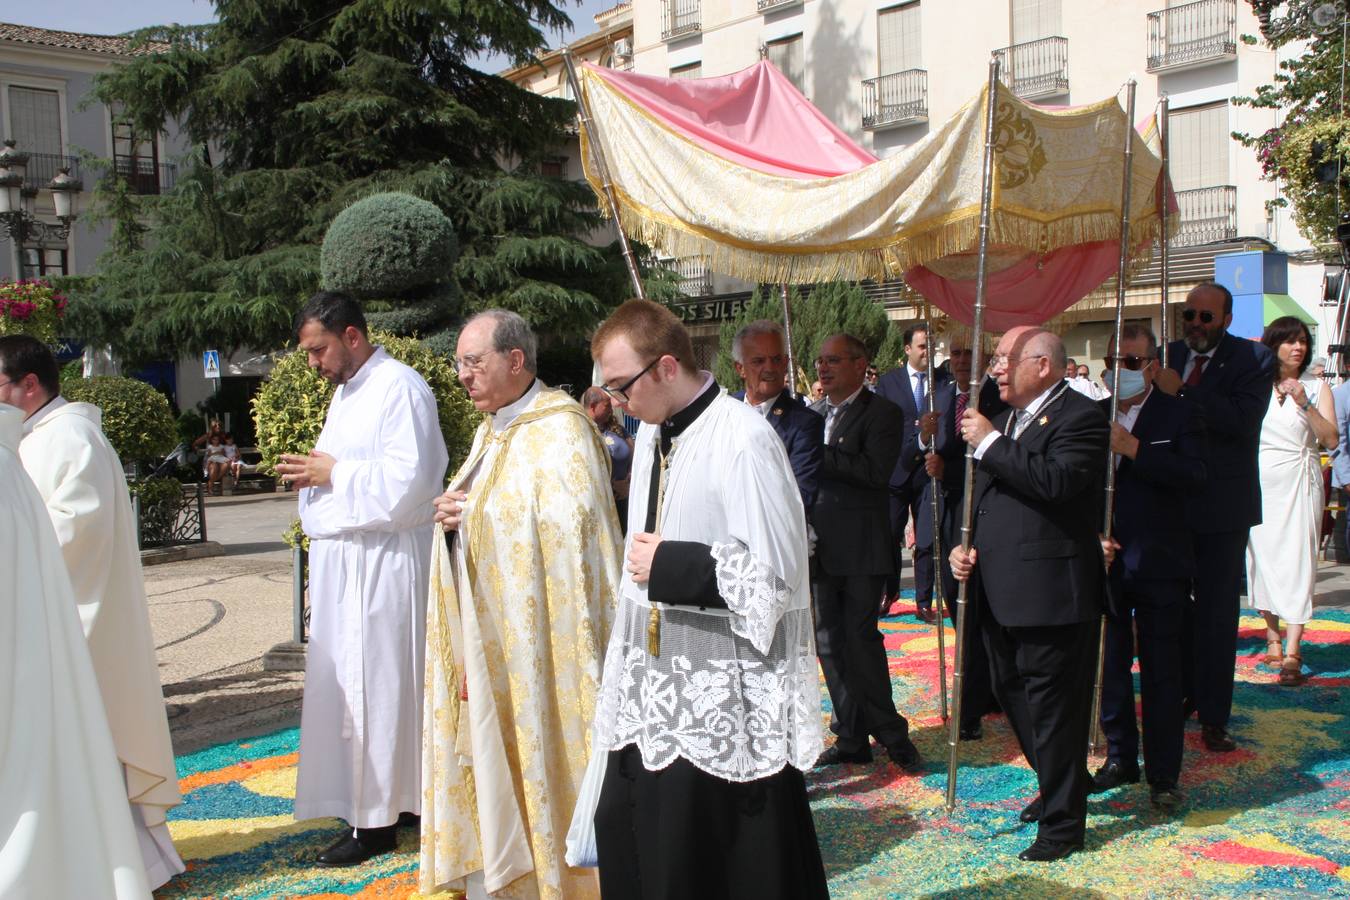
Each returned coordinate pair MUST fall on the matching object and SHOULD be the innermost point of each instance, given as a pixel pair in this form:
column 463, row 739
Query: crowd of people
column 593, row 648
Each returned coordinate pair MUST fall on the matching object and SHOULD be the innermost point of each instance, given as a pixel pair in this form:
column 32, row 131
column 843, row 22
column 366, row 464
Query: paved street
column 214, row 618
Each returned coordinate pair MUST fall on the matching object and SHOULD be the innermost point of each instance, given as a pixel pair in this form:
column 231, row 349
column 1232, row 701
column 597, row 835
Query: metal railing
column 1192, row 34
column 695, row 279
column 680, row 18
column 42, row 168
column 766, row 5
column 144, row 175
column 165, row 525
column 895, row 99
column 1036, row 68
column 1206, row 215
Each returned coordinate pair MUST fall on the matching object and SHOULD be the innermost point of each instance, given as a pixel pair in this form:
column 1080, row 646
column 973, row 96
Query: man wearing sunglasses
column 1229, row 379
column 1159, row 446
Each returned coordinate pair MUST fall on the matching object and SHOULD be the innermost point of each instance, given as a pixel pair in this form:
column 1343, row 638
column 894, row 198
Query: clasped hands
column 314, row 470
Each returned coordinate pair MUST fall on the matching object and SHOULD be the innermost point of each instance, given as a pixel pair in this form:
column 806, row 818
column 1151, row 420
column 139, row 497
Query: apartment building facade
column 886, row 71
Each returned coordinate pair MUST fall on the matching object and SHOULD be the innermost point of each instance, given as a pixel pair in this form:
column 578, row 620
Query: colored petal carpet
column 1271, row 819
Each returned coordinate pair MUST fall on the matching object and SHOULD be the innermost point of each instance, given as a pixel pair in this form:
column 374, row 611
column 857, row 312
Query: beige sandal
column 1291, row 671
column 1274, row 653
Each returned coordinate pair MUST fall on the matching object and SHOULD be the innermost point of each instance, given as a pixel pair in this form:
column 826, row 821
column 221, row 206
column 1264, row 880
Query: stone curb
column 200, row 550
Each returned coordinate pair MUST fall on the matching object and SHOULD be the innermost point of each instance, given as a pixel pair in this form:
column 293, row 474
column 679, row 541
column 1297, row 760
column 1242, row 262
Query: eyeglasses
column 5, row 383
column 777, row 360
column 1205, row 315
column 620, row 394
column 471, row 362
column 831, row 360
column 1003, row 360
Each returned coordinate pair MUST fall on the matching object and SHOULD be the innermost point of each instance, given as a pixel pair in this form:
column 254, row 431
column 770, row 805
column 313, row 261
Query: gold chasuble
column 517, row 623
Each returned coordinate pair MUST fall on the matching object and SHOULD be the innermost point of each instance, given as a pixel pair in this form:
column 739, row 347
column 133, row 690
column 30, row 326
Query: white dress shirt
column 1020, row 418
column 833, row 412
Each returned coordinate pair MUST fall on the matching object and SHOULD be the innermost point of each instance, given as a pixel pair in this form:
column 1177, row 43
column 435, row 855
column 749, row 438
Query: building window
column 42, row 262
column 1198, row 139
column 135, row 159
column 1035, row 19
column 788, row 55
column 899, row 39
column 693, row 70
column 554, row 167
column 35, row 119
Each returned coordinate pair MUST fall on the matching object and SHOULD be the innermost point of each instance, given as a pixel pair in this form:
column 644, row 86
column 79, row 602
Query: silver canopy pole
column 976, row 376
column 598, row 152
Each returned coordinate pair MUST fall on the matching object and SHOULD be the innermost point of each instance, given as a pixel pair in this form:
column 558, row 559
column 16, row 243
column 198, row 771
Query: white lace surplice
column 736, row 692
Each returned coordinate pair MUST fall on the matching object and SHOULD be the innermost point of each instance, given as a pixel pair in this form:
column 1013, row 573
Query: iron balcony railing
column 1036, row 68
column 766, row 5
column 900, row 98
column 144, row 175
column 680, row 18
column 42, row 168
column 1194, row 34
column 1206, row 215
column 695, row 279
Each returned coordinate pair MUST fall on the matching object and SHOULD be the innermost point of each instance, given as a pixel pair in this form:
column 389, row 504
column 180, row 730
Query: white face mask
column 1131, row 383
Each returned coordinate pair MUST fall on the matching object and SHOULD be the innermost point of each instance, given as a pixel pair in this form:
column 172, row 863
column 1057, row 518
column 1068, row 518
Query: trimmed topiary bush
column 387, row 244
column 290, row 407
column 136, row 417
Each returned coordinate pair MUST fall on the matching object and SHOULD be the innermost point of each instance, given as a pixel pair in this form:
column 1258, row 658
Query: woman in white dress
column 1282, row 550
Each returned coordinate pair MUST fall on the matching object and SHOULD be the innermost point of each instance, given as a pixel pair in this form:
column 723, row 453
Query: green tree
column 1302, row 152
column 295, row 109
column 817, row 313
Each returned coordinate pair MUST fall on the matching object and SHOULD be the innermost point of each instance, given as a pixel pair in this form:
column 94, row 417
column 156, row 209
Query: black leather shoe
column 833, row 756
column 926, row 614
column 888, row 605
column 971, row 732
column 1113, row 774
column 1216, row 739
column 408, row 820
column 1165, row 796
column 353, row 850
column 1044, row 850
column 1032, row 811
column 905, row 755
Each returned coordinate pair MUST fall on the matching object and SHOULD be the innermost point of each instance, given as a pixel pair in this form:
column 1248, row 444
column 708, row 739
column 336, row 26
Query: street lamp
column 17, row 220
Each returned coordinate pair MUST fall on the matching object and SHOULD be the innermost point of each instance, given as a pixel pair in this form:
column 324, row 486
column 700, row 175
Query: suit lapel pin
column 1043, row 420
column 778, row 412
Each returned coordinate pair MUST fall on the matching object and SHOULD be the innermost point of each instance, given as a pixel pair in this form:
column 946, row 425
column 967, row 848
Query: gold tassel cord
column 654, row 617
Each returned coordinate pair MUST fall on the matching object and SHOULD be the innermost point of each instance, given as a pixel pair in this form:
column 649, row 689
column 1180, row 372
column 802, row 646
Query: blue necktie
column 920, row 395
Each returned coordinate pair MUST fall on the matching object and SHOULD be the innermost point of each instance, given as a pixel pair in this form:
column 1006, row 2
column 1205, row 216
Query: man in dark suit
column 1037, row 571
column 910, row 486
column 1159, row 442
column 1229, row 379
column 760, row 359
column 854, row 557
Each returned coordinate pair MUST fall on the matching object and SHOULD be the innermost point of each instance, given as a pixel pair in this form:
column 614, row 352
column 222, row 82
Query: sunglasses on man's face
column 1205, row 315
column 1133, row 363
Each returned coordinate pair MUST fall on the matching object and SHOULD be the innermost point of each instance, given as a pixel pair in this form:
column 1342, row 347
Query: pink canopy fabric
column 755, row 117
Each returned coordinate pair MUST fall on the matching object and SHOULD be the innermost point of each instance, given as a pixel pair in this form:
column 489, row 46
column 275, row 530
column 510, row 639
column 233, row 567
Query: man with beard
column 1229, row 379
column 366, row 491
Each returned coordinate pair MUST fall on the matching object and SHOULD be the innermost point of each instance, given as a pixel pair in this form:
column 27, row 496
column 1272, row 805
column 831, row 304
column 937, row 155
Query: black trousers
column 1157, row 606
column 853, row 657
column 1043, row 677
column 1211, row 624
column 914, row 499
column 680, row 833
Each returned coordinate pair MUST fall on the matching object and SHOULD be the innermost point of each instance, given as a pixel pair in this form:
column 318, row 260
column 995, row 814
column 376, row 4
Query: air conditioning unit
column 623, row 51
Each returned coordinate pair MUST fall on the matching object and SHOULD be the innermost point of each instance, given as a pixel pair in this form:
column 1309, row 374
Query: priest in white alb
column 366, row 490
column 522, row 593
column 65, row 825
column 709, row 710
column 80, row 479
